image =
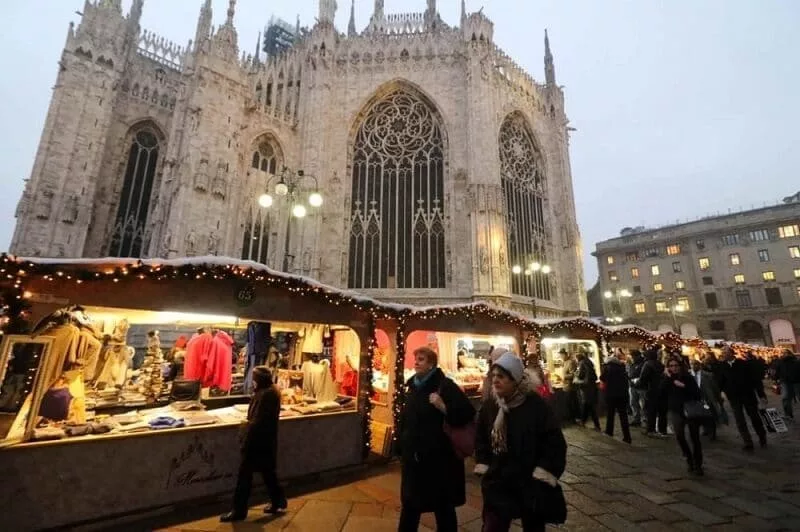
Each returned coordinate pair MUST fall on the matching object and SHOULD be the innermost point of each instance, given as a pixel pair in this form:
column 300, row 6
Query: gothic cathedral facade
column 443, row 166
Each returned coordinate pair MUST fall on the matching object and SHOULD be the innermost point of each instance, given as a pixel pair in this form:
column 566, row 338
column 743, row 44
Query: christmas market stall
column 560, row 340
column 628, row 337
column 124, row 383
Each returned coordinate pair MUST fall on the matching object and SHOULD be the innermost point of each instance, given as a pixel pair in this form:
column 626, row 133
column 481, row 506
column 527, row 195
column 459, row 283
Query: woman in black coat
column 679, row 388
column 432, row 474
column 259, row 448
column 586, row 379
column 519, row 450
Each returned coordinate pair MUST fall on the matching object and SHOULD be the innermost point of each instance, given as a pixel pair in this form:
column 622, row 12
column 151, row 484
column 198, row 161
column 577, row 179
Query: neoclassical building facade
column 442, row 165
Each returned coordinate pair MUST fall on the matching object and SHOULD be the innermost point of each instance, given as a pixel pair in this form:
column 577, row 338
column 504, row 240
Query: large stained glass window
column 397, row 220
column 522, row 178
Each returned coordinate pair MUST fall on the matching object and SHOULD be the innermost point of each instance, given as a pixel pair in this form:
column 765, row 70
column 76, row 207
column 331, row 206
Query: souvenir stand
column 627, row 337
column 104, row 435
column 570, row 335
column 462, row 336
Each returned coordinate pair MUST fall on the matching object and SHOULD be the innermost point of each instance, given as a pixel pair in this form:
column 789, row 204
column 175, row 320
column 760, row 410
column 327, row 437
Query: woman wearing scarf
column 432, row 475
column 520, row 450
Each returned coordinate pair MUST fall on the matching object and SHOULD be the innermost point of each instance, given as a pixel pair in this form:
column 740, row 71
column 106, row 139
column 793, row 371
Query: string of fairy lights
column 17, row 274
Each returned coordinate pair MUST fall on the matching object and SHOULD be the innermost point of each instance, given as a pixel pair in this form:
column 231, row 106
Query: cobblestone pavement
column 608, row 486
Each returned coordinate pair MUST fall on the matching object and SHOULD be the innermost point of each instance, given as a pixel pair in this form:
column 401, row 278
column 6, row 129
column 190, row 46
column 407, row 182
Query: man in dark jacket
column 259, row 448
column 432, row 475
column 520, row 451
column 711, row 395
column 650, row 382
column 637, row 395
column 615, row 379
column 586, row 380
column 741, row 383
column 786, row 374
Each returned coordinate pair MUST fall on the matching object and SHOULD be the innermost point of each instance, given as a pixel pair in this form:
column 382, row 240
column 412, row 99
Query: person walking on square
column 655, row 405
column 520, row 451
column 259, row 448
column 711, row 395
column 741, row 384
column 637, row 395
column 787, row 374
column 680, row 388
column 432, row 474
column 586, row 378
column 615, row 378
column 570, row 368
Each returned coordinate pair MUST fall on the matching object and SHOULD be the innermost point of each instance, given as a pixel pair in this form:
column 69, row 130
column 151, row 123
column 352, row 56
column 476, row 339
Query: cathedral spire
column 257, row 57
column 549, row 67
column 327, row 11
column 463, row 11
column 351, row 27
column 231, row 12
column 378, row 12
column 203, row 24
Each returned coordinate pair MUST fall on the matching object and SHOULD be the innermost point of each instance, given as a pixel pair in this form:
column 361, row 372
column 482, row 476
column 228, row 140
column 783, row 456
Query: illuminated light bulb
column 516, row 269
column 546, row 269
column 265, row 200
column 299, row 211
column 536, row 266
column 315, row 199
column 281, row 189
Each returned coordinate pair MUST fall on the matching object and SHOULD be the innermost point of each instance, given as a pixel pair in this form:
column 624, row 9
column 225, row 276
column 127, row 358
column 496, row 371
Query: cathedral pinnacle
column 549, row 67
column 351, row 27
column 231, row 12
column 463, row 11
column 327, row 11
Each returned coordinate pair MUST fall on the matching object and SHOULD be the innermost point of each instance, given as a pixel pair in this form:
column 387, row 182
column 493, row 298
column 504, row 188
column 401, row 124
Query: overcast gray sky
column 682, row 107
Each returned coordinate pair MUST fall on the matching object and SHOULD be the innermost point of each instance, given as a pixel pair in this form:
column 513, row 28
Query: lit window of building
column 735, row 259
column 768, row 276
column 738, row 278
column 789, row 231
column 612, row 276
column 680, row 285
column 797, row 273
column 705, row 263
column 794, row 252
column 683, row 304
column 610, row 259
column 635, row 273
column 655, row 270
column 661, row 306
column 641, row 308
column 674, row 249
column 657, row 287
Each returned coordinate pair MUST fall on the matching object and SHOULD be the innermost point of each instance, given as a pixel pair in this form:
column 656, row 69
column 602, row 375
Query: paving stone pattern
column 608, row 486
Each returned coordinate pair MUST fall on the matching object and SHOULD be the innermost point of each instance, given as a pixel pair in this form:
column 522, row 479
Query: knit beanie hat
column 511, row 364
column 496, row 353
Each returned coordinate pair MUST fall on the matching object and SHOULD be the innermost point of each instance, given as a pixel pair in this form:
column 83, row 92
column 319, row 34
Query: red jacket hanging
column 220, row 359
column 196, row 359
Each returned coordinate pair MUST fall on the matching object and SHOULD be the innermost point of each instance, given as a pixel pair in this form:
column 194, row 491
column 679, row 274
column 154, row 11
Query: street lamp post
column 534, row 267
column 618, row 294
column 289, row 186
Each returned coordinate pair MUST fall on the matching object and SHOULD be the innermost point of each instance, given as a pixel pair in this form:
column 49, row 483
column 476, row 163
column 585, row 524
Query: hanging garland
column 398, row 395
column 366, row 386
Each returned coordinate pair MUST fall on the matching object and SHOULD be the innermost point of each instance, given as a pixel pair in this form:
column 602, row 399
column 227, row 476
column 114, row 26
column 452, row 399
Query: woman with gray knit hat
column 520, row 451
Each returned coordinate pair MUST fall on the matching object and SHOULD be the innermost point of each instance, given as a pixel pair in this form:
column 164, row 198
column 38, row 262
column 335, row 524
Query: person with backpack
column 586, row 380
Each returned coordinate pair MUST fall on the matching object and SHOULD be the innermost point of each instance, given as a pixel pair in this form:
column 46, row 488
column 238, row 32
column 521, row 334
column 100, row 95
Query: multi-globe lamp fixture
column 532, row 268
column 282, row 188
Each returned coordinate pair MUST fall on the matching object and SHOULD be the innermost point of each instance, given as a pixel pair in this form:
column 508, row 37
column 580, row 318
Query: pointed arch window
column 128, row 238
column 522, row 179
column 255, row 240
column 265, row 158
column 397, row 234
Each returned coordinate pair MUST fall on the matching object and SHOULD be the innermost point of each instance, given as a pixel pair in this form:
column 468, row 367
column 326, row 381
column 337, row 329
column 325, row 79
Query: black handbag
column 185, row 391
column 697, row 411
column 546, row 502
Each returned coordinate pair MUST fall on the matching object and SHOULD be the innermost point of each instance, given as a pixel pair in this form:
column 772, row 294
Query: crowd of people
column 515, row 436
